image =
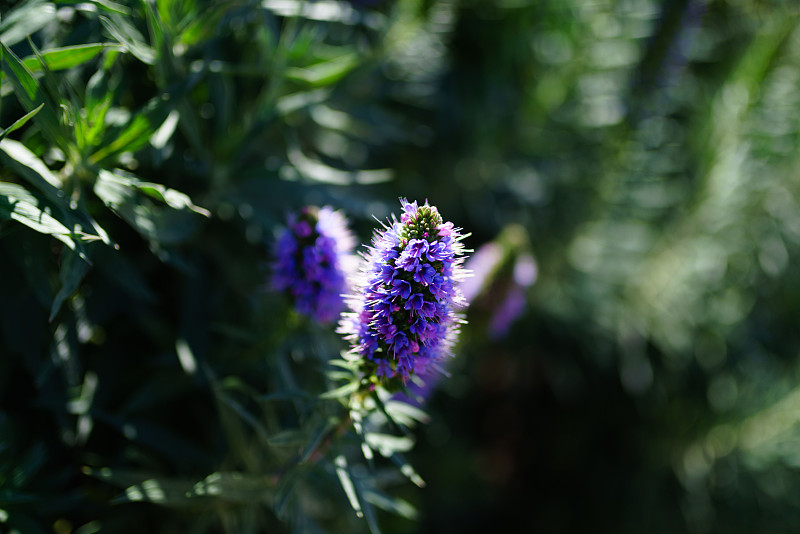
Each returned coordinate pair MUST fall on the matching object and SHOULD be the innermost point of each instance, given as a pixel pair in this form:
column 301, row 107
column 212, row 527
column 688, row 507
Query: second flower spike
column 313, row 259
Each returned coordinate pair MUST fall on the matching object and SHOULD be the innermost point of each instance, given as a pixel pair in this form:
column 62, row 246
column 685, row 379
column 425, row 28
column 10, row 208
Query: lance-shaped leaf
column 73, row 269
column 128, row 36
column 19, row 123
column 18, row 158
column 31, row 95
column 123, row 193
column 137, row 132
column 19, row 204
column 26, row 19
column 65, row 57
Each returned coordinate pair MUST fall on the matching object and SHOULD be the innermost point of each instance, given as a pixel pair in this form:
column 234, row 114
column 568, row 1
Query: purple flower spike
column 403, row 320
column 313, row 259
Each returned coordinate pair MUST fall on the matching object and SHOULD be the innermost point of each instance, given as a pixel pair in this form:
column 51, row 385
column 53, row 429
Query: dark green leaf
column 21, row 76
column 368, row 510
column 73, row 269
column 31, row 95
column 321, row 431
column 19, row 123
column 136, row 133
column 25, row 163
column 288, row 438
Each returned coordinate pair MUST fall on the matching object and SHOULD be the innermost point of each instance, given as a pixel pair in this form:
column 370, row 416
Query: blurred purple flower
column 403, row 319
column 313, row 258
column 482, row 265
column 498, row 285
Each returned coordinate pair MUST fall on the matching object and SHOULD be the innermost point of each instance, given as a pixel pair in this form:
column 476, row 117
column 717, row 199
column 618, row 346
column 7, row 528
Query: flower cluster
column 314, row 257
column 403, row 318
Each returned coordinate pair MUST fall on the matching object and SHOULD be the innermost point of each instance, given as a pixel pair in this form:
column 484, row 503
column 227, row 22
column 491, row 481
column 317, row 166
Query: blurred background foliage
column 644, row 154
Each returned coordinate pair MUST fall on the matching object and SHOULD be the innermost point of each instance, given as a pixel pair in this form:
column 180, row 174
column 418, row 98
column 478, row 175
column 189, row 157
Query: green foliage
column 151, row 149
column 644, row 152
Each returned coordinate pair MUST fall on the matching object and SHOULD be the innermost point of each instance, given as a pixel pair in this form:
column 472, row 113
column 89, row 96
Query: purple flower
column 403, row 320
column 503, row 272
column 313, row 258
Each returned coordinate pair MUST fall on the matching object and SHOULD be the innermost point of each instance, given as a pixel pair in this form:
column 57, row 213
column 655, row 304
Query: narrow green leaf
column 234, row 487
column 31, row 95
column 18, row 204
column 201, row 25
column 405, row 413
column 67, row 57
column 186, row 356
column 321, row 431
column 342, row 391
column 73, row 269
column 26, row 19
column 343, row 473
column 19, row 123
column 285, row 493
column 129, row 37
column 137, row 132
column 369, row 511
column 164, row 133
column 407, row 470
column 99, row 97
column 140, row 487
column 395, row 505
column 51, row 94
column 117, row 188
column 350, row 366
column 288, row 438
column 111, row 7
column 324, row 73
column 290, row 103
column 22, row 161
column 22, row 76
column 323, row 10
column 158, row 39
column 386, row 444
column 31, row 168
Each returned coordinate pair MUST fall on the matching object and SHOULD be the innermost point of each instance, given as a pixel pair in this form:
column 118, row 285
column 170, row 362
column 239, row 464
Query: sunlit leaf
column 26, row 19
column 67, row 57
column 395, row 505
column 387, row 444
column 22, row 206
column 31, row 95
column 342, row 391
column 324, row 73
column 343, row 472
column 128, row 36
